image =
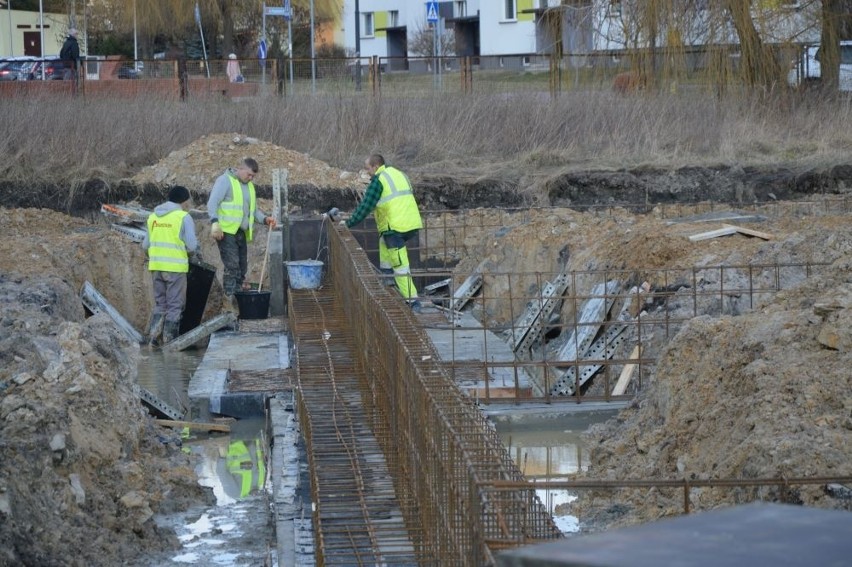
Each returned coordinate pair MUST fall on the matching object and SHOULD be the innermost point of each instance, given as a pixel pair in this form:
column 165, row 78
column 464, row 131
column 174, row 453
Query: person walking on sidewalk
column 169, row 241
column 397, row 221
column 232, row 207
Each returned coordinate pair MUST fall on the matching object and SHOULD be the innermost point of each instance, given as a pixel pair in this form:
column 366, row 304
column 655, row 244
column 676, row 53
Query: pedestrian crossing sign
column 432, row 12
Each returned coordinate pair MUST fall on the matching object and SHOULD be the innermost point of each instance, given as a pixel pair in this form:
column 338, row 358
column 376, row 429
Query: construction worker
column 169, row 241
column 233, row 211
column 397, row 220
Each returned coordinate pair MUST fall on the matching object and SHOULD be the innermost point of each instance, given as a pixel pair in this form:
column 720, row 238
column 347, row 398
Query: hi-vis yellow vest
column 230, row 213
column 166, row 251
column 396, row 209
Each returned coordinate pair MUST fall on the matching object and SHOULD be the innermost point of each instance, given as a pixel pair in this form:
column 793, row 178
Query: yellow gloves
column 216, row 231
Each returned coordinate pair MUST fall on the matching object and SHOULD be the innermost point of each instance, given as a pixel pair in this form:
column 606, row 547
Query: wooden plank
column 725, row 231
column 751, row 232
column 626, row 373
column 194, row 425
column 728, row 229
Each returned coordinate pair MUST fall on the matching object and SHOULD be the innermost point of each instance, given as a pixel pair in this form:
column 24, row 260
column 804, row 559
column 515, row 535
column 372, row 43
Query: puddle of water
column 551, row 449
column 237, row 530
column 167, row 374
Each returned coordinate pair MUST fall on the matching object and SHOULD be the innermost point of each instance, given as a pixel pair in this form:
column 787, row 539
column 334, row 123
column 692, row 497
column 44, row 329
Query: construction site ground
column 760, row 391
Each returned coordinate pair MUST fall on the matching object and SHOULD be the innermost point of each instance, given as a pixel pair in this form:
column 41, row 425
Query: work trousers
column 394, row 255
column 233, row 250
column 169, row 294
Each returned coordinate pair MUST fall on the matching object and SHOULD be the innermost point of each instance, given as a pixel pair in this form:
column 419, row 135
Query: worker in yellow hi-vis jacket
column 169, row 241
column 397, row 220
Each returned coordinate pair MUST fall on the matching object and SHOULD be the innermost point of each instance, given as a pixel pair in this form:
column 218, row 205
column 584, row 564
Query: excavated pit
column 57, row 240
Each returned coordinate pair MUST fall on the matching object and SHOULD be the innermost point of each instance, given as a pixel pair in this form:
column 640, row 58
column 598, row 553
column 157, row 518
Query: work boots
column 229, row 305
column 387, row 276
column 155, row 329
column 170, row 331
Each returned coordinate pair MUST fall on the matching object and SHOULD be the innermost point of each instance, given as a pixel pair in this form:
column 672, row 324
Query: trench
column 236, row 529
column 542, row 186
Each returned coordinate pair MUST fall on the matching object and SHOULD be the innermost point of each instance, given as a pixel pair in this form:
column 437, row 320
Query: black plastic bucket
column 253, row 304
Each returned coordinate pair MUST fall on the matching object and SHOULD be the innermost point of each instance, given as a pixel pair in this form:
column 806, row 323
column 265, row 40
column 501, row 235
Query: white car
column 807, row 70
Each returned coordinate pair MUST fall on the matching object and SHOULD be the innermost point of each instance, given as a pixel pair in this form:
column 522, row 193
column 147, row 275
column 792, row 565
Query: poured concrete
column 470, row 341
column 228, row 351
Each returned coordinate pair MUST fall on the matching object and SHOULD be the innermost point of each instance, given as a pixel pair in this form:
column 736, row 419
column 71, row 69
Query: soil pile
column 83, row 468
column 197, row 165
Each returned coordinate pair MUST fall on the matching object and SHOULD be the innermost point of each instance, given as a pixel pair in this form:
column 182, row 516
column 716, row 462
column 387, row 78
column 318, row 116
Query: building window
column 368, row 29
column 393, row 18
column 461, row 9
column 509, row 9
column 614, row 8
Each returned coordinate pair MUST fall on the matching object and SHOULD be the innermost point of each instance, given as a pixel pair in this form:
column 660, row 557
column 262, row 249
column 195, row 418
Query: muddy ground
column 742, row 392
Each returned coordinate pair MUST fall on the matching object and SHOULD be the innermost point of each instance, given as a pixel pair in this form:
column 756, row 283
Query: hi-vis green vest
column 166, row 251
column 396, row 209
column 230, row 213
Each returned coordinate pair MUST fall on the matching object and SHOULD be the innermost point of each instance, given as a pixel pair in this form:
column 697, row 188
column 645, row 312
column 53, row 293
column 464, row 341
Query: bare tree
column 421, row 41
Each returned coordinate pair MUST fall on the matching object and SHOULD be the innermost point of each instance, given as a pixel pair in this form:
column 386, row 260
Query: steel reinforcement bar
column 440, row 450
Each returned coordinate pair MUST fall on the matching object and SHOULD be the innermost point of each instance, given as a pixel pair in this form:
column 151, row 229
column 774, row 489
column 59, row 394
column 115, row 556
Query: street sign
column 288, row 10
column 261, row 49
column 432, row 12
column 276, row 11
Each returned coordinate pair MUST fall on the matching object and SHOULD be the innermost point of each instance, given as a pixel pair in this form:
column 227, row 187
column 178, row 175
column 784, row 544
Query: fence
column 711, row 69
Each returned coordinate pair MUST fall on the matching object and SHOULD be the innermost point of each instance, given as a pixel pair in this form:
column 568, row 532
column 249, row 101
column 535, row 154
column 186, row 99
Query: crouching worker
column 170, row 241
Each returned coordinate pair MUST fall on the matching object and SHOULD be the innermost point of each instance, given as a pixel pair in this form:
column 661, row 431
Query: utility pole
column 11, row 45
column 313, row 54
column 357, row 46
column 135, row 40
column 41, row 33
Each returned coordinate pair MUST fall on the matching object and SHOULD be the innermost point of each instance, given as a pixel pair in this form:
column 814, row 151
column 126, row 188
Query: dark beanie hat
column 178, row 194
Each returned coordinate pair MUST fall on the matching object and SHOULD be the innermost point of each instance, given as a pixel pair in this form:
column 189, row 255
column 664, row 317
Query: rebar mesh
column 439, row 449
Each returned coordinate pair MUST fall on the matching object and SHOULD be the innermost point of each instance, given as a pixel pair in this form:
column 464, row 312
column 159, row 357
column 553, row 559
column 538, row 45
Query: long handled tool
column 265, row 259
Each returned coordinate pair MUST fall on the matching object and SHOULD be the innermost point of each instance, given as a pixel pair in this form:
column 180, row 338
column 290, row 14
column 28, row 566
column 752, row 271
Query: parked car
column 17, row 69
column 130, row 70
column 54, row 69
column 807, row 71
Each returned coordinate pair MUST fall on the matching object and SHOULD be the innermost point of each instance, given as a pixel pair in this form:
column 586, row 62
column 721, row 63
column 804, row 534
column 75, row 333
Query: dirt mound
column 83, row 469
column 775, row 404
column 197, row 165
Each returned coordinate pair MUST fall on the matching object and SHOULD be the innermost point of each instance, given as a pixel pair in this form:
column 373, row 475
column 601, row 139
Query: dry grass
column 70, row 141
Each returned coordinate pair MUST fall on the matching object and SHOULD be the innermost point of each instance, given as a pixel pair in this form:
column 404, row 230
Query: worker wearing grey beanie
column 169, row 241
